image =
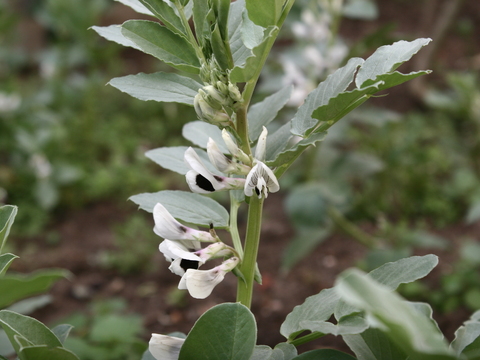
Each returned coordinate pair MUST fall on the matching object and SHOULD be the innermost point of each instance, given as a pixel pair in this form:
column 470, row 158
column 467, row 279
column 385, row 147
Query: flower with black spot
column 202, row 181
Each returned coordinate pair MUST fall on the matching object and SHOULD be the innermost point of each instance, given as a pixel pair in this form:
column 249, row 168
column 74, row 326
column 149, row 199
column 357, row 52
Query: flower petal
column 261, row 180
column 164, row 347
column 175, row 250
column 261, row 147
column 200, row 283
column 169, row 228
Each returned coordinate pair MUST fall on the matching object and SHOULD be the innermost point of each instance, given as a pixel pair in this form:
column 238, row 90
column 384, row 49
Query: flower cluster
column 260, row 179
column 182, row 245
column 182, row 248
column 216, row 101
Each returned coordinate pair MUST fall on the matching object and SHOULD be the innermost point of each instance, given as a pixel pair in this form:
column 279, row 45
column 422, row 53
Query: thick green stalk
column 252, row 240
column 237, row 242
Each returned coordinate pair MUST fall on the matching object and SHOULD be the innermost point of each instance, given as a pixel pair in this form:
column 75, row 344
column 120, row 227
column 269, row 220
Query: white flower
column 234, row 149
column 164, row 347
column 221, row 162
column 261, row 145
column 180, row 256
column 169, row 228
column 261, row 180
column 200, row 283
column 202, row 181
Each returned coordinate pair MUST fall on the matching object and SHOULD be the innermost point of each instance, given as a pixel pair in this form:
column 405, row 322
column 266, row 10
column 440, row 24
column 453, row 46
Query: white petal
column 261, row 145
column 176, row 267
column 165, row 224
column 260, row 180
column 200, row 283
column 167, row 227
column 220, row 161
column 175, row 250
column 196, row 164
column 164, row 347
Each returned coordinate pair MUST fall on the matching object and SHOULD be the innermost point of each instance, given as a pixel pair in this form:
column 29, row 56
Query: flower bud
column 234, row 149
column 206, row 113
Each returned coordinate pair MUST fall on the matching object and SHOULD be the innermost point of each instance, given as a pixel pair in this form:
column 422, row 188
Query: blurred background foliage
column 406, row 163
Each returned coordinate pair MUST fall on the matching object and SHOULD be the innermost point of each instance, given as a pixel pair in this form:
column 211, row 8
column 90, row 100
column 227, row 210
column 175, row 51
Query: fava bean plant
column 218, row 49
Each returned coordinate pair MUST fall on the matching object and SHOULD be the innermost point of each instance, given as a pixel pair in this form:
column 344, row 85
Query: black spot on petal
column 203, row 183
column 218, row 178
column 257, row 191
column 188, row 264
column 182, row 229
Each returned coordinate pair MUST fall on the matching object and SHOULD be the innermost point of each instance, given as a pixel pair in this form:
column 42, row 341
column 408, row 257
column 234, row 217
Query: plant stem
column 237, row 243
column 304, row 339
column 252, row 240
column 351, row 229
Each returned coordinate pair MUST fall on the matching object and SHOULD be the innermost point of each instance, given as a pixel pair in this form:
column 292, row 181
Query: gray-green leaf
column 189, row 207
column 263, row 112
column 7, row 217
column 162, row 43
column 114, row 33
column 160, row 86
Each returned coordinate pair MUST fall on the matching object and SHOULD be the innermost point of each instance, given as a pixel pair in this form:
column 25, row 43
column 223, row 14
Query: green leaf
column 334, row 84
column 160, row 86
column 350, row 324
column 198, row 133
column 392, row 274
column 166, row 14
column 244, row 70
column 283, row 351
column 219, row 49
column 114, row 33
column 278, row 141
column 321, row 306
column 7, row 217
column 62, row 331
column 44, row 352
column 18, row 286
column 33, row 331
column 325, row 354
column 29, row 305
column 467, row 334
column 221, row 10
column 113, row 328
column 137, row 6
column 387, row 58
column 261, row 352
column 317, row 307
column 263, row 112
column 200, row 11
column 162, row 43
column 5, row 261
column 287, row 156
column 189, row 207
column 172, row 158
column 304, row 241
column 226, row 331
column 147, row 355
column 250, row 34
column 264, row 13
column 373, row 344
column 236, row 32
column 408, row 328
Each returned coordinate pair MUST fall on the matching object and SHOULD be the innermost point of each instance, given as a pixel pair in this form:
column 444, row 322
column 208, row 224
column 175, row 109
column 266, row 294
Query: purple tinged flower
column 164, row 347
column 223, row 163
column 180, row 256
column 169, row 228
column 202, row 181
column 261, row 180
column 200, row 283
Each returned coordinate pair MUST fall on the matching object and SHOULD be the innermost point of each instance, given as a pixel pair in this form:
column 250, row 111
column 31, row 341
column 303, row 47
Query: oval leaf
column 226, row 331
column 160, row 86
column 191, row 208
column 158, row 41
